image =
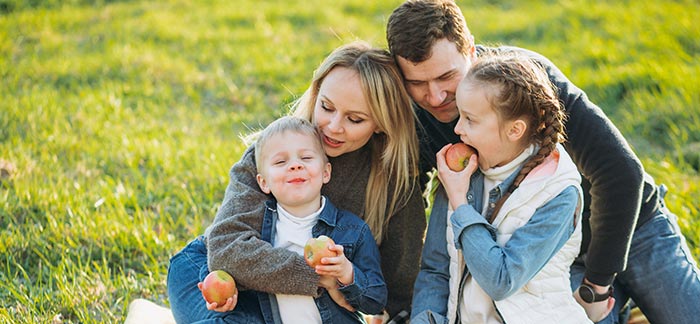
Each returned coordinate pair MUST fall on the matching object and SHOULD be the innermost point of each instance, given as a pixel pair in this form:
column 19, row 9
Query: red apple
column 457, row 156
column 316, row 249
column 218, row 286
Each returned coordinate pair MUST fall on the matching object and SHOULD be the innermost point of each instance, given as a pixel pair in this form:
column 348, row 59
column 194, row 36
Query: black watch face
column 586, row 293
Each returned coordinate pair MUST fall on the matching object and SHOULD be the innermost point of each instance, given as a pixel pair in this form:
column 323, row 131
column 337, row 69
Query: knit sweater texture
column 234, row 243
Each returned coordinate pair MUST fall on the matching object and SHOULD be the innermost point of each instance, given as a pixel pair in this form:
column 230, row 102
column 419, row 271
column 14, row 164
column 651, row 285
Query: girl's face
column 480, row 127
column 341, row 113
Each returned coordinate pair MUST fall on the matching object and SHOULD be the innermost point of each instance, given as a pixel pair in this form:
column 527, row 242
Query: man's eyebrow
column 447, row 73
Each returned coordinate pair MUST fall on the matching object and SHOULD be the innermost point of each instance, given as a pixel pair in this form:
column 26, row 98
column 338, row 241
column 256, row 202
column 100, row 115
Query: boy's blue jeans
column 661, row 276
column 187, row 268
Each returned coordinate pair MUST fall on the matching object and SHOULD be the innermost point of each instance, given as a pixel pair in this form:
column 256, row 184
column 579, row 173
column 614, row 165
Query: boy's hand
column 338, row 266
column 229, row 306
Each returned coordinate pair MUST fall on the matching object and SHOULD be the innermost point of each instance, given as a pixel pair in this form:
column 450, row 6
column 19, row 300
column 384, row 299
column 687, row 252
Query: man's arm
column 615, row 174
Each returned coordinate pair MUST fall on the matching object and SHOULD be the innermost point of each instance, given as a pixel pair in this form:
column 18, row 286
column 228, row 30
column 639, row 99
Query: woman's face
column 341, row 113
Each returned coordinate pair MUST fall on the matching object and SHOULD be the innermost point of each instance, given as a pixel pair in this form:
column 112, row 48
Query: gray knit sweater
column 234, row 244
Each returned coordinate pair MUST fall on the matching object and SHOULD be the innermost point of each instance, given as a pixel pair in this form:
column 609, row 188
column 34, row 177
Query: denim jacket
column 537, row 241
column 367, row 293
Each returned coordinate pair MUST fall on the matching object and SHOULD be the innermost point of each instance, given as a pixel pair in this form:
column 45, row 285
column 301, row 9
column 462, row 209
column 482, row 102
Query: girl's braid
column 525, row 92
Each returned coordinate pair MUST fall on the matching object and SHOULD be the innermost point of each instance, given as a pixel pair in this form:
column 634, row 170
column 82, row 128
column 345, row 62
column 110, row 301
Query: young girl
column 501, row 238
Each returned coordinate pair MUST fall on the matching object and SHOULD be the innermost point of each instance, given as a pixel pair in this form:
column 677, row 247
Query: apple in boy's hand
column 316, row 249
column 457, row 156
column 218, row 286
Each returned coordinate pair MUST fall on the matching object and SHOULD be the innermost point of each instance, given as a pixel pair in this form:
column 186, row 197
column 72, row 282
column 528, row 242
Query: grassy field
column 119, row 120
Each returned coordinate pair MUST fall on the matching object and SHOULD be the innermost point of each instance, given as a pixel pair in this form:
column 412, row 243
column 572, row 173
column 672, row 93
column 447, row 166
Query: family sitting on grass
column 552, row 221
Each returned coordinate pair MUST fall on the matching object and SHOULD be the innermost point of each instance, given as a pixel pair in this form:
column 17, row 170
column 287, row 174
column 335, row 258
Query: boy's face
column 432, row 83
column 293, row 169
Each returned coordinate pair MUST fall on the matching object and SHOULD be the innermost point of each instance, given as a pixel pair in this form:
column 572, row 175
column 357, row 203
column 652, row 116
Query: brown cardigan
column 234, row 244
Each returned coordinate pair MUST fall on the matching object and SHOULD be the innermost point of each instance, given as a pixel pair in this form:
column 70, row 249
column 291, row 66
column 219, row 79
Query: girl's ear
column 262, row 183
column 517, row 130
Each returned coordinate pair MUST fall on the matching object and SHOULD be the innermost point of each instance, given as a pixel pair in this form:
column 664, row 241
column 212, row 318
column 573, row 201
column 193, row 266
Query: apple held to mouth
column 457, row 156
column 218, row 286
column 316, row 249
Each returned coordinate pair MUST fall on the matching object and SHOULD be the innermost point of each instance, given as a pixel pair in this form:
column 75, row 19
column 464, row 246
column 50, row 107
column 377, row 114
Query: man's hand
column 599, row 310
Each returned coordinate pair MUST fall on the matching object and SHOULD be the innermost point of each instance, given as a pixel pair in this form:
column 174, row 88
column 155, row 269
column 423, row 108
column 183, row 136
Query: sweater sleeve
column 234, row 243
column 614, row 172
column 401, row 251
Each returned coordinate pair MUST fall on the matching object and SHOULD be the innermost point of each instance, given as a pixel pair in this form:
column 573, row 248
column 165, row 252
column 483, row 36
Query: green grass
column 119, row 120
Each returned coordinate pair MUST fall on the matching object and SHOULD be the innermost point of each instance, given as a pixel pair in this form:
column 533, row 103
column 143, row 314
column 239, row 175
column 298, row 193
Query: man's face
column 432, row 83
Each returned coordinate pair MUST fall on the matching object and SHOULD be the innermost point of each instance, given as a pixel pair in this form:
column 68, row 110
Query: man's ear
column 327, row 173
column 262, row 183
column 517, row 130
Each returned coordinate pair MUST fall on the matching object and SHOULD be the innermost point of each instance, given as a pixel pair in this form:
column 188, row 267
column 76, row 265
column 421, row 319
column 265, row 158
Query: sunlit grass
column 119, row 120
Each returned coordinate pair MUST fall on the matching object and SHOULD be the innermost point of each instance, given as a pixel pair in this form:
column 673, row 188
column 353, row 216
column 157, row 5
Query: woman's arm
column 501, row 271
column 234, row 244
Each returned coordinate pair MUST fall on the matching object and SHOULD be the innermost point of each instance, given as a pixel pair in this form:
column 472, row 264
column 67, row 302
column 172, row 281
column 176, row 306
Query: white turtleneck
column 494, row 176
column 291, row 233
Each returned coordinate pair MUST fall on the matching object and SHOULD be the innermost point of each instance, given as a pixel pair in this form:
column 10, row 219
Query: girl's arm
column 234, row 243
column 501, row 271
column 431, row 289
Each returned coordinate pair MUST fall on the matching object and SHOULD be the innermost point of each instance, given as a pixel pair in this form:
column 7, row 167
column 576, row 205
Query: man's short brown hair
column 416, row 25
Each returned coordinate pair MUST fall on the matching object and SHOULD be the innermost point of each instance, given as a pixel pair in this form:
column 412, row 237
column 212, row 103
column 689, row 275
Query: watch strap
column 589, row 295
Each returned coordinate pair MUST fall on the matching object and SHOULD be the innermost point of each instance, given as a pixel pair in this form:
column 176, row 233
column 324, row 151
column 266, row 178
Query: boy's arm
column 234, row 243
column 367, row 293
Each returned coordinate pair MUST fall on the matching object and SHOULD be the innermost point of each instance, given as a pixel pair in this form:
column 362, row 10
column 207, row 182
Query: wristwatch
column 589, row 295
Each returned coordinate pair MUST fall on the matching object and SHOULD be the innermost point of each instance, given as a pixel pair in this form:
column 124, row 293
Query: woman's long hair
column 394, row 166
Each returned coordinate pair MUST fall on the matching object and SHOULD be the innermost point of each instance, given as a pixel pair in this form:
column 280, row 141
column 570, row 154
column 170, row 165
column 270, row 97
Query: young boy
column 293, row 167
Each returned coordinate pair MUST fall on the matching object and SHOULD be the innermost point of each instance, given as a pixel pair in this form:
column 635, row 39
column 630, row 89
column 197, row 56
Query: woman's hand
column 229, row 306
column 456, row 183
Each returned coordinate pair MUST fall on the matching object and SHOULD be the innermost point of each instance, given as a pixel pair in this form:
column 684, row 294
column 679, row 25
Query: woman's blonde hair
column 395, row 148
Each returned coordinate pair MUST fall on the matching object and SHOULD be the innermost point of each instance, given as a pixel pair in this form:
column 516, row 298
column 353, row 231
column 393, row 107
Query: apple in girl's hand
column 457, row 156
column 218, row 286
column 316, row 249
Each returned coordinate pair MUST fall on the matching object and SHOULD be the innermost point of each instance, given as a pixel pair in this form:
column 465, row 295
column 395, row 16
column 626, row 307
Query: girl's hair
column 517, row 87
column 282, row 125
column 394, row 150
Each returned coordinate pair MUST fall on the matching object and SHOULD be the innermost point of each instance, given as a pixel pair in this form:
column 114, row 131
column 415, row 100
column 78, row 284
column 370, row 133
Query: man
column 623, row 213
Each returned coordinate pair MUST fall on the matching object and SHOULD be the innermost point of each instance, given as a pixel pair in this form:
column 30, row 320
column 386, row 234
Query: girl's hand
column 456, row 183
column 229, row 306
column 338, row 266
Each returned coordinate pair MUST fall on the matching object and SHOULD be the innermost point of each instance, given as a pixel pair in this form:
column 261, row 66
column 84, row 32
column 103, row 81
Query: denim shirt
column 367, row 293
column 533, row 245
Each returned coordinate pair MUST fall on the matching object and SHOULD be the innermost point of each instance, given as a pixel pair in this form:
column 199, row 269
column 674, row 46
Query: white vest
column 547, row 297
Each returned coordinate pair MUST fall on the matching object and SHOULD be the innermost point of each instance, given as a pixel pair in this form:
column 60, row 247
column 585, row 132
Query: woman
column 364, row 115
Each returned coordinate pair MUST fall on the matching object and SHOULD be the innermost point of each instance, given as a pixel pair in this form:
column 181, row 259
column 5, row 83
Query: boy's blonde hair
column 286, row 124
